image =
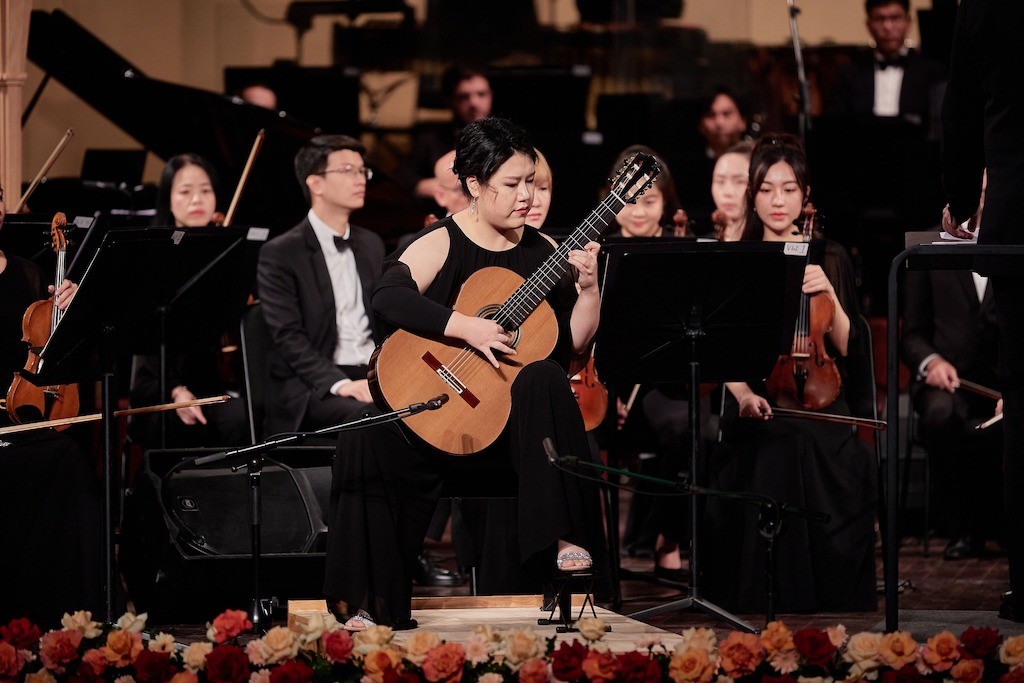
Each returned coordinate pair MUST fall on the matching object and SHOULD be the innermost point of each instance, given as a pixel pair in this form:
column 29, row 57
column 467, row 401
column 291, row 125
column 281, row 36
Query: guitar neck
column 536, row 288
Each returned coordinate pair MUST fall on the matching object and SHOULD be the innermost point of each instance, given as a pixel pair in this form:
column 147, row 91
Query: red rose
column 229, row 624
column 908, row 674
column 979, row 643
column 227, row 664
column 338, row 646
column 638, row 667
column 84, row 673
column 1015, row 676
column 21, row 633
column 814, row 646
column 10, row 662
column 153, row 667
column 292, row 671
column 392, row 676
column 567, row 661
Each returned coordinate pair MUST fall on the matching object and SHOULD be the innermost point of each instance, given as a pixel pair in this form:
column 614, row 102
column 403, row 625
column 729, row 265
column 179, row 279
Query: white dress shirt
column 888, row 83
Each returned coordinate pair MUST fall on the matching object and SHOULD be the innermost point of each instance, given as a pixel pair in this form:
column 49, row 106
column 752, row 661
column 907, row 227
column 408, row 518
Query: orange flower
column 897, row 649
column 534, row 671
column 59, row 648
column 691, row 666
column 941, row 652
column 227, row 625
column 776, row 637
column 967, row 671
column 122, row 647
column 740, row 654
column 10, row 662
column 1012, row 652
column 444, row 663
column 184, row 677
column 599, row 666
column 379, row 661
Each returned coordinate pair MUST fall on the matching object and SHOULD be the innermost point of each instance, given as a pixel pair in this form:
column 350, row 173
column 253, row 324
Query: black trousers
column 384, row 491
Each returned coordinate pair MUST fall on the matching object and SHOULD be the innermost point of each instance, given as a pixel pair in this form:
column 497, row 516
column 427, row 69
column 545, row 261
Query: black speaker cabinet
column 185, row 547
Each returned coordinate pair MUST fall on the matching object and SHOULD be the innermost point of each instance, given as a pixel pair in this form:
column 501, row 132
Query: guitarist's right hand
column 486, row 336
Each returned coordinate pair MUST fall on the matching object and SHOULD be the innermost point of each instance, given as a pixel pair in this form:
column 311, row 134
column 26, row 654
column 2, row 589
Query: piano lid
column 170, row 119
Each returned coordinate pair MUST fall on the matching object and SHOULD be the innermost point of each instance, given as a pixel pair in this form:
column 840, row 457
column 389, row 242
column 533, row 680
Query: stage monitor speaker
column 185, row 547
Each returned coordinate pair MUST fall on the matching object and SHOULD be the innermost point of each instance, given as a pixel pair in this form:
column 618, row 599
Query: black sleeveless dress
column 385, row 486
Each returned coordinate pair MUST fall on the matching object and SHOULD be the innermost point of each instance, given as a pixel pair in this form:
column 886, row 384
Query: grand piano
column 168, row 119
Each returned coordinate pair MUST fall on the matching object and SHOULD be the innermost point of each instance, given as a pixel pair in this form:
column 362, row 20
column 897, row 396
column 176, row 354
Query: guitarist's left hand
column 585, row 262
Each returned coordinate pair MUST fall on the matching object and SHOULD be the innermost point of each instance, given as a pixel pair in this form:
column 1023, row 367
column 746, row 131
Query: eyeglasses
column 349, row 171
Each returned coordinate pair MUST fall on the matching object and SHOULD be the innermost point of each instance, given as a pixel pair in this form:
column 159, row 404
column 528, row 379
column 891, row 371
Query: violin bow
column 94, row 417
column 256, row 145
column 61, row 144
column 877, row 425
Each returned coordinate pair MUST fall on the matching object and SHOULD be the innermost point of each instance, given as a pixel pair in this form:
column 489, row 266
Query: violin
column 807, row 378
column 26, row 401
column 591, row 395
column 680, row 223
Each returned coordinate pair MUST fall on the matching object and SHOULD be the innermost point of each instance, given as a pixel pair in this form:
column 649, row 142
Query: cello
column 26, row 401
column 807, row 378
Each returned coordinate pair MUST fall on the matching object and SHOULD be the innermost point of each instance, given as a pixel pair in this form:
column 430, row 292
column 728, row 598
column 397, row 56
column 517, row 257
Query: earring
column 472, row 206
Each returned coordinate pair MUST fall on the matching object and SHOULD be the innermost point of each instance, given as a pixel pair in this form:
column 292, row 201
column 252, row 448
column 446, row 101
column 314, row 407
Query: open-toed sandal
column 360, row 622
column 582, row 559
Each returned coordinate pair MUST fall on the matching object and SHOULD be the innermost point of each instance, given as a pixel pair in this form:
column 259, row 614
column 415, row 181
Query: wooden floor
column 934, row 594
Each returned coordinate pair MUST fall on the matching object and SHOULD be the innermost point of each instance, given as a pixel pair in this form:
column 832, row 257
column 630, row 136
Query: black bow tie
column 342, row 244
column 898, row 60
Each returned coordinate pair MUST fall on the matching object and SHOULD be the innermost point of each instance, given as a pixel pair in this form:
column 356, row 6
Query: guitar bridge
column 449, row 378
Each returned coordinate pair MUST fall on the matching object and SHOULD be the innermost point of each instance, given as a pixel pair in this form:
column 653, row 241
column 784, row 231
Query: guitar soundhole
column 489, row 312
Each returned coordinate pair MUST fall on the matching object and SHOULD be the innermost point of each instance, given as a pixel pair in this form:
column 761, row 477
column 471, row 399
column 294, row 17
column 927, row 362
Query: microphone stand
column 258, row 612
column 769, row 519
column 804, row 98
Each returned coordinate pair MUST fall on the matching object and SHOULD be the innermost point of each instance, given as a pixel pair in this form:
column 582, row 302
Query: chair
column 255, row 343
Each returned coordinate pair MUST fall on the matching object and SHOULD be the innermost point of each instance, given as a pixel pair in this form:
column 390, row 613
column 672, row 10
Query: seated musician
column 817, row 465
column 315, row 282
column 543, row 184
column 950, row 333
column 50, row 518
column 729, row 190
column 187, row 198
column 387, row 483
column 654, row 427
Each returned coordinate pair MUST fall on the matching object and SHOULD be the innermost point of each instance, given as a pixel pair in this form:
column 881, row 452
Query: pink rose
column 444, row 663
column 941, row 652
column 10, row 662
column 59, row 648
column 967, row 671
column 599, row 666
column 96, row 660
column 184, row 677
column 533, row 671
column 337, row 646
column 228, row 624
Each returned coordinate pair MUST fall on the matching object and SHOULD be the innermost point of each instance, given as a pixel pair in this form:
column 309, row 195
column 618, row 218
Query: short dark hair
column 707, row 102
column 455, row 74
column 663, row 181
column 484, row 145
column 770, row 150
column 312, row 158
column 163, row 215
column 874, row 4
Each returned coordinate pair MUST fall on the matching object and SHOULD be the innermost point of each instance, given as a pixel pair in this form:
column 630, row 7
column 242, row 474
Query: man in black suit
column 983, row 128
column 315, row 283
column 894, row 81
column 949, row 333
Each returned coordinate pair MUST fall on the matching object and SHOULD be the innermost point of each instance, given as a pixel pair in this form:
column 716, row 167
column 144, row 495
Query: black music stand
column 132, row 276
column 687, row 311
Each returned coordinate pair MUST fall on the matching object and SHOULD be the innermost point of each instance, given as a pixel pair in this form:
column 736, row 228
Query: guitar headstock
column 635, row 177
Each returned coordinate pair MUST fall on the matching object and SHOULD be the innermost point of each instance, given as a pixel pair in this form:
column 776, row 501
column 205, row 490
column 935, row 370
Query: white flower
column 133, row 623
column 163, row 642
column 195, row 654
column 124, row 679
column 81, row 621
column 260, row 676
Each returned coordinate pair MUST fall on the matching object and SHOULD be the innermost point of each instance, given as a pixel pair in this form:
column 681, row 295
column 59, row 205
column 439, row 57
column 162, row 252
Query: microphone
column 432, row 404
column 554, row 458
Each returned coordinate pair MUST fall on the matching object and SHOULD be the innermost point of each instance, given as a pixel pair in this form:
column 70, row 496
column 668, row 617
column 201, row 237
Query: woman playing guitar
column 387, row 484
column 816, row 465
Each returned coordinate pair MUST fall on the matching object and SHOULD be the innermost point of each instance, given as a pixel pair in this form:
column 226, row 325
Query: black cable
column 260, row 16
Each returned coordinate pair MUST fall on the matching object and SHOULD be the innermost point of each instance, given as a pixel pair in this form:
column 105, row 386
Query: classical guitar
column 407, row 367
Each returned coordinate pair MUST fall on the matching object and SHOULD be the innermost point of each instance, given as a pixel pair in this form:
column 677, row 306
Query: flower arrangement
column 85, row 651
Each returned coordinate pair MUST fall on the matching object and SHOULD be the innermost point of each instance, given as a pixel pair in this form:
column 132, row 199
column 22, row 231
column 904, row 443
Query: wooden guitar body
column 408, row 368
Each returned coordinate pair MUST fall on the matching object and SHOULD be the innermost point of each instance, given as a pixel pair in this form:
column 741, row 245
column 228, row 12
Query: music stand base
column 696, row 603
